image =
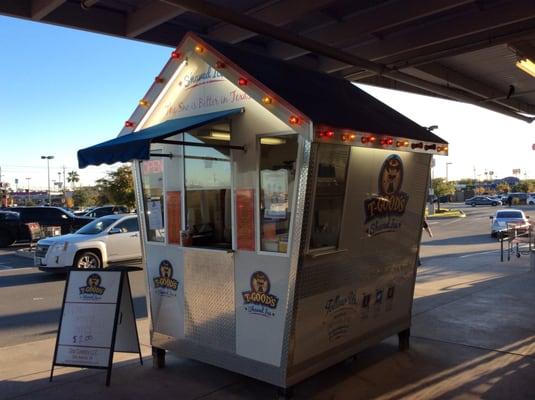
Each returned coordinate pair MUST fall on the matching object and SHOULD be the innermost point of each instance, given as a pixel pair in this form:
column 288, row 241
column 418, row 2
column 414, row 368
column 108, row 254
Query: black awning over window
column 136, row 145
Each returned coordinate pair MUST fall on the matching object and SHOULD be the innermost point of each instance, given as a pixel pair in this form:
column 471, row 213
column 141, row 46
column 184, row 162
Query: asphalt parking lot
column 30, row 300
column 472, row 334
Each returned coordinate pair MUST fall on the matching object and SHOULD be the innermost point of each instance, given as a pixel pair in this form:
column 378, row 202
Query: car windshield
column 509, row 214
column 96, row 226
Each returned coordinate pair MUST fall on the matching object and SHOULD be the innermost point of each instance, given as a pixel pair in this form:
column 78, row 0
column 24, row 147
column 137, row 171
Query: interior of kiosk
column 274, row 245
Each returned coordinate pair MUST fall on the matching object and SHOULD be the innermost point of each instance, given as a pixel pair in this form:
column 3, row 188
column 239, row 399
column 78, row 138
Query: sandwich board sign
column 97, row 318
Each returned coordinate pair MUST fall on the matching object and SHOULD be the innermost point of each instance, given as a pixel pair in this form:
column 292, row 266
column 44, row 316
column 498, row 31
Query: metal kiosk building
column 281, row 211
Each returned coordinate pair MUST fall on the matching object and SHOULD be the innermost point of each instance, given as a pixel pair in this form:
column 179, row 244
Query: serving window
column 332, row 162
column 152, row 186
column 278, row 156
column 207, row 171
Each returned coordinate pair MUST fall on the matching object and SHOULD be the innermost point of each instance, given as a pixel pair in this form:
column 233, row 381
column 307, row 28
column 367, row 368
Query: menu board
column 173, row 217
column 154, row 214
column 245, row 219
column 97, row 317
column 275, row 187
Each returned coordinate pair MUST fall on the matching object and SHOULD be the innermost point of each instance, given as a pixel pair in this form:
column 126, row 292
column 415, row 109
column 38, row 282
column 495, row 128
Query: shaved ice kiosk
column 281, row 211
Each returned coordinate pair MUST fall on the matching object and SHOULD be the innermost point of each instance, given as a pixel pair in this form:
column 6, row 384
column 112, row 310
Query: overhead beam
column 269, row 30
column 358, row 27
column 515, row 33
column 442, row 37
column 41, row 8
column 278, row 14
column 150, row 16
column 471, row 85
column 446, row 30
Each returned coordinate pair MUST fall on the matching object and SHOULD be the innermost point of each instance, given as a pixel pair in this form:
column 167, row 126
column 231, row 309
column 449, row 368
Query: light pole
column 448, row 163
column 48, row 158
column 28, row 180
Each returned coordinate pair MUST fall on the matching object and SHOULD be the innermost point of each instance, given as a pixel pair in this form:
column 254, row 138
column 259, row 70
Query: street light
column 48, row 158
column 448, row 163
column 28, row 179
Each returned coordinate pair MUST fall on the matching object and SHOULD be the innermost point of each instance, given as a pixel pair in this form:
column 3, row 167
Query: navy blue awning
column 136, row 145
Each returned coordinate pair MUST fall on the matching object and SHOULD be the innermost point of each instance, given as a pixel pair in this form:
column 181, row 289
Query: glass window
column 129, row 225
column 208, row 188
column 329, row 197
column 277, row 175
column 152, row 185
column 96, row 226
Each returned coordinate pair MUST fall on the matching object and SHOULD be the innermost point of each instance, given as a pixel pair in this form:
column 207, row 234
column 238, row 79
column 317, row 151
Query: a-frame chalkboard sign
column 97, row 319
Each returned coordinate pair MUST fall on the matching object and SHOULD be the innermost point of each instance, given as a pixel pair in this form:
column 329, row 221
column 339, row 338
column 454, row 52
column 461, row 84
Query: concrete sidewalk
column 473, row 336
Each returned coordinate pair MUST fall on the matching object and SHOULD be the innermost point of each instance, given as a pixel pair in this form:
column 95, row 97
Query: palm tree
column 73, row 177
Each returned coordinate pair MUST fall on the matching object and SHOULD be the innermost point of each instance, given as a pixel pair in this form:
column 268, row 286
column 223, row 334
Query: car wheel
column 531, row 203
column 5, row 240
column 88, row 259
column 494, row 204
column 473, row 204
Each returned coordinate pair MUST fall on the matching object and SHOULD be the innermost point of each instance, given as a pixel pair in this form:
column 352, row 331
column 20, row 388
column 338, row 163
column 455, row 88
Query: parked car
column 99, row 244
column 44, row 216
column 482, row 201
column 506, row 217
column 106, row 210
column 517, row 198
column 531, row 199
column 11, row 228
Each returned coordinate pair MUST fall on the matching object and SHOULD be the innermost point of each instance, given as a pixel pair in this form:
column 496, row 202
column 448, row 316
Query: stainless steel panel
column 222, row 359
column 296, row 246
column 332, row 289
column 209, row 298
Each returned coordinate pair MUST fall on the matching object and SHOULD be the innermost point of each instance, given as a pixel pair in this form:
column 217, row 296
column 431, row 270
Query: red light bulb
column 243, row 82
column 175, row 54
column 129, row 124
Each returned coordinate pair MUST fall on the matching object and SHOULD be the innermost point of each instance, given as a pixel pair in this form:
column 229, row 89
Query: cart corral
column 281, row 211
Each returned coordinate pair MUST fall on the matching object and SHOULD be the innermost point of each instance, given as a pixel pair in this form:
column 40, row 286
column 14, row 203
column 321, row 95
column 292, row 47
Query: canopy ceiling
column 457, row 49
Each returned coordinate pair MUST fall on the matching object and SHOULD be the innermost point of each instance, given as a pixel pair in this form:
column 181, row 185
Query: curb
column 438, row 216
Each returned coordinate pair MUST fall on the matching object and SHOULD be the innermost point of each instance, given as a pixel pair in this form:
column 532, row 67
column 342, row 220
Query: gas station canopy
column 478, row 52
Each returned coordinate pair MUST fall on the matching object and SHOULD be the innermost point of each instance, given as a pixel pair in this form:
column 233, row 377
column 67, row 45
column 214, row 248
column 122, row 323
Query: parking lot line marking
column 480, row 253
column 11, row 269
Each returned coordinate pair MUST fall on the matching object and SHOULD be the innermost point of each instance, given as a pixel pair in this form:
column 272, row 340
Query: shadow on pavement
column 29, row 279
column 464, row 240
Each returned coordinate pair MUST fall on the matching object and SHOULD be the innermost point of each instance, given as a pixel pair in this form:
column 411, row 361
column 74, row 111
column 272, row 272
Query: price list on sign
column 97, row 319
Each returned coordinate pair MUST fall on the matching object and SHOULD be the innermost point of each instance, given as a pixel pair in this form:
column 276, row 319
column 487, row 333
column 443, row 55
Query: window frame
column 313, row 190
column 183, row 197
column 298, row 164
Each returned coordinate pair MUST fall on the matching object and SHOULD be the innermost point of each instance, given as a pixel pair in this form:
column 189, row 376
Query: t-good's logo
column 384, row 210
column 258, row 300
column 92, row 290
column 208, row 76
column 164, row 283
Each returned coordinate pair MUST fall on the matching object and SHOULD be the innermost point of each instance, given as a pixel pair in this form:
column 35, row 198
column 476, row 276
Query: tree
column 84, row 196
column 525, row 186
column 117, row 187
column 442, row 188
column 503, row 187
column 73, row 178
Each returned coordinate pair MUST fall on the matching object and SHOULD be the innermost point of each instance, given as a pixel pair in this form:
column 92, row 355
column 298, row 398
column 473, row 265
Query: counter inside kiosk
column 281, row 211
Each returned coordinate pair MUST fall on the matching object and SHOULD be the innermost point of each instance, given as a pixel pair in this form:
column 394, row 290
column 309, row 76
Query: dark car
column 10, row 227
column 482, row 201
column 106, row 210
column 44, row 216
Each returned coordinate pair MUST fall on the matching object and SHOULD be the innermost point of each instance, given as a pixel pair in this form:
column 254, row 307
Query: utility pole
column 48, row 158
column 28, row 179
column 64, row 188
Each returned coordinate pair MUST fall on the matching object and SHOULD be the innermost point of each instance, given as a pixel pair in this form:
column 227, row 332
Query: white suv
column 106, row 240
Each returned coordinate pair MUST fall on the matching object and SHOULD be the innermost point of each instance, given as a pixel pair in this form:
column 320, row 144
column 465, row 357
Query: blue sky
column 64, row 89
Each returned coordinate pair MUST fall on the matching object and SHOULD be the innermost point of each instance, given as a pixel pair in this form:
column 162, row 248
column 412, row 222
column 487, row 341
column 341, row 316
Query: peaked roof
column 325, row 99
